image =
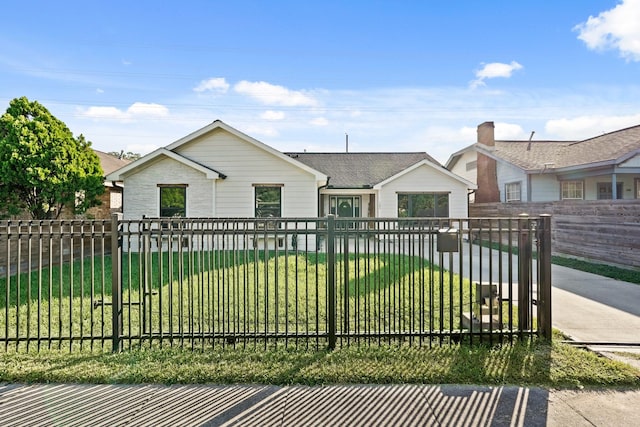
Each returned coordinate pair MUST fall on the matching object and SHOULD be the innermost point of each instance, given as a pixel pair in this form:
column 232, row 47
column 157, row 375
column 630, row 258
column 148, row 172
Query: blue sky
column 299, row 75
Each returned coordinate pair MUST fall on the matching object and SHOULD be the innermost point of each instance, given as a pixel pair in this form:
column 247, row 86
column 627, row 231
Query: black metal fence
column 299, row 282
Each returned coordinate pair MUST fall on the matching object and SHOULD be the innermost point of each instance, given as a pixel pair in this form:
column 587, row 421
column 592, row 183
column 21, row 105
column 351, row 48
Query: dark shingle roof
column 360, row 170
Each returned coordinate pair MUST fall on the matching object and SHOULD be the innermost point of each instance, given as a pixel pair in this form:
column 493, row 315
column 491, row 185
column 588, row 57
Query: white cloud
column 583, row 127
column 616, row 29
column 510, row 131
column 104, row 113
column 137, row 109
column 98, row 90
column 319, row 121
column 493, row 70
column 273, row 115
column 144, row 109
column 215, row 84
column 269, row 94
column 259, row 130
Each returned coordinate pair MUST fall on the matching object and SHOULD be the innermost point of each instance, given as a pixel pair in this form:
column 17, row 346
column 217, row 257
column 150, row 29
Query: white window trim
column 506, row 192
column 562, row 183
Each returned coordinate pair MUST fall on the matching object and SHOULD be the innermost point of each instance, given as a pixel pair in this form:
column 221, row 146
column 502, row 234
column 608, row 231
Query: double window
column 412, row 205
column 173, row 200
column 512, row 192
column 268, row 201
column 572, row 190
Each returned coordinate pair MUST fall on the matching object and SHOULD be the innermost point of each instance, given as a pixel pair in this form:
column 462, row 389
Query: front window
column 572, row 190
column 268, row 201
column 173, row 200
column 512, row 192
column 411, row 205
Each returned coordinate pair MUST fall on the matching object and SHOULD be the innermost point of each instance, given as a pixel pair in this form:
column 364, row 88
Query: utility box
column 448, row 240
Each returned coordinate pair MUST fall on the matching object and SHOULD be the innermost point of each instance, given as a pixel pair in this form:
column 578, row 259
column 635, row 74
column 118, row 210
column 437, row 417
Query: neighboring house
column 603, row 167
column 112, row 197
column 219, row 171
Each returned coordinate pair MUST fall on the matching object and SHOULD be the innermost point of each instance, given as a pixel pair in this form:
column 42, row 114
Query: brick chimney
column 486, row 134
column 487, row 178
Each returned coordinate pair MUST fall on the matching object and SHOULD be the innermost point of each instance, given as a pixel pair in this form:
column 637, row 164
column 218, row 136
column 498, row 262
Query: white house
column 604, row 167
column 221, row 172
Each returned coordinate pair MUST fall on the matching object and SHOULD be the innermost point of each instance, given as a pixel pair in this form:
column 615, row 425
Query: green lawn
column 229, row 290
column 527, row 362
column 244, row 294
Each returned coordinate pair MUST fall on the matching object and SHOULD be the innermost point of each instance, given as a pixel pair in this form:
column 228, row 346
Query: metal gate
column 330, row 281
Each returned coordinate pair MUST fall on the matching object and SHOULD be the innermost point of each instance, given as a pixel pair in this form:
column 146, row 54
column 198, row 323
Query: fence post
column 116, row 282
column 544, row 277
column 331, row 281
column 524, row 272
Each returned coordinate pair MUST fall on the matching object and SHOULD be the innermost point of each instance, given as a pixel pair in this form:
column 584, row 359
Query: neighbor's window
column 512, row 192
column 572, row 190
column 173, row 200
column 268, row 201
column 411, row 205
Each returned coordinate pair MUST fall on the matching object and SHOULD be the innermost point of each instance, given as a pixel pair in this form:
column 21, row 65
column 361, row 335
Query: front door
column 345, row 207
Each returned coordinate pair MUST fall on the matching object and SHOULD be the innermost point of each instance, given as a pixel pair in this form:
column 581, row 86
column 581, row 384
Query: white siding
column 423, row 179
column 464, row 167
column 507, row 174
column 142, row 196
column 245, row 164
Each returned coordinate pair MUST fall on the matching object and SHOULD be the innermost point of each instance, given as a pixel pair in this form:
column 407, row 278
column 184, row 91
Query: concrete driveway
column 585, row 306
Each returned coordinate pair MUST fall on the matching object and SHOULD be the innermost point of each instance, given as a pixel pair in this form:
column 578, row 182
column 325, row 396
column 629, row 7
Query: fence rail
column 302, row 282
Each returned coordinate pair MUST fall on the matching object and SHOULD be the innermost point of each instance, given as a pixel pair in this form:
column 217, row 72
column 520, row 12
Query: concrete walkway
column 405, row 405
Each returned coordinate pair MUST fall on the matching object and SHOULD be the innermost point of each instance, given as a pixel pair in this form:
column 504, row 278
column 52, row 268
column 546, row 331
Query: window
column 637, row 188
column 173, row 200
column 268, row 201
column 572, row 190
column 512, row 192
column 423, row 205
column 605, row 190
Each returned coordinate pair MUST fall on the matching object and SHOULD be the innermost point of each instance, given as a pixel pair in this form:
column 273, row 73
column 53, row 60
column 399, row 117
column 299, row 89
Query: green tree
column 43, row 167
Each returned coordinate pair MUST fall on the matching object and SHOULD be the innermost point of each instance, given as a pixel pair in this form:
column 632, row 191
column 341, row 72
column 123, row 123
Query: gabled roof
column 219, row 124
column 170, row 151
column 160, row 152
column 611, row 146
column 361, row 170
column 428, row 164
column 607, row 149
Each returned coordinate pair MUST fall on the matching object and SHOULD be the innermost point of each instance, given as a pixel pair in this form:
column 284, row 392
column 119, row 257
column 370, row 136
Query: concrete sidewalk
column 446, row 405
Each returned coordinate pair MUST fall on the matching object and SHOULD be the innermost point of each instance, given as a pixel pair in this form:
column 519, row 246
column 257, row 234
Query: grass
column 528, row 362
column 232, row 292
column 613, row 272
column 618, row 273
